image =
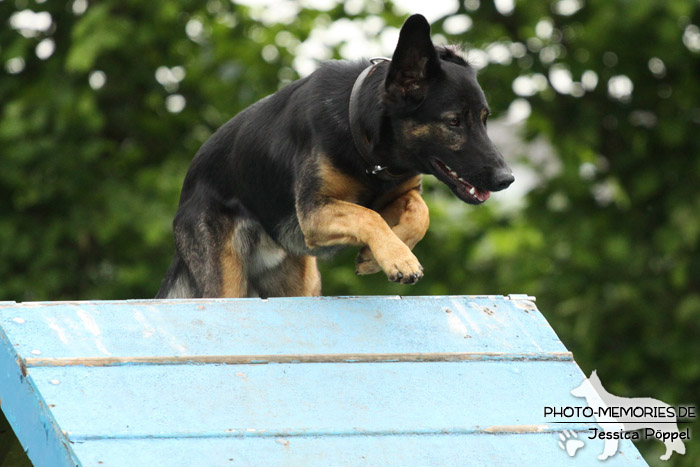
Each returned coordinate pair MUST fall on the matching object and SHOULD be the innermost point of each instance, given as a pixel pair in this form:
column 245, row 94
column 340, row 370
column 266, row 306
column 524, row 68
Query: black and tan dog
column 331, row 160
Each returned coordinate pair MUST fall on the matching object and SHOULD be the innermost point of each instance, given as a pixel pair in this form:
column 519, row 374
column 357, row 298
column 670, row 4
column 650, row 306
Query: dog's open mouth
column 462, row 188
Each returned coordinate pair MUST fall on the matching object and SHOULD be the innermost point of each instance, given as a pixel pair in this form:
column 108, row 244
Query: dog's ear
column 414, row 63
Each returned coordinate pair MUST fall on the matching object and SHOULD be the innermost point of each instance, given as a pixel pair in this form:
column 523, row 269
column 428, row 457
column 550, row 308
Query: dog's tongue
column 482, row 195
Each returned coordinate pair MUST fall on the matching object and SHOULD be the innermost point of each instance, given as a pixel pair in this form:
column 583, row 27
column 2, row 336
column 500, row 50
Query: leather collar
column 362, row 142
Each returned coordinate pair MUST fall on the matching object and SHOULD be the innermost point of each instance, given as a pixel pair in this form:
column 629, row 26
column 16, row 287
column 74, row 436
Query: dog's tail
column 178, row 282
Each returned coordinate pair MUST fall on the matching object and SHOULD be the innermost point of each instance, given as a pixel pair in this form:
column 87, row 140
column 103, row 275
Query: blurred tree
column 103, row 105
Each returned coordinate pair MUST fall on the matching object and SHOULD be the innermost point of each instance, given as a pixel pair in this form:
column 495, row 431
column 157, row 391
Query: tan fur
column 484, row 114
column 454, row 141
column 336, row 184
column 387, row 236
column 310, row 283
column 408, row 216
column 233, row 278
column 296, row 276
column 339, row 222
column 342, row 223
column 413, row 183
column 413, row 130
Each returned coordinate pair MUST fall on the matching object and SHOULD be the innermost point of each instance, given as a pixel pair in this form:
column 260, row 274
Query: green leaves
column 98, row 31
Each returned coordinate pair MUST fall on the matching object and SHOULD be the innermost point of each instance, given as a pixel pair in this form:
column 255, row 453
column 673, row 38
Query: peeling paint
column 148, row 329
column 456, row 325
column 306, row 358
column 60, row 332
column 464, row 314
column 516, row 428
column 526, row 305
column 89, row 322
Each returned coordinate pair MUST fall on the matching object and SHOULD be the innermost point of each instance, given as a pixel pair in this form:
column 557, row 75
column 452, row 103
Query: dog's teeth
column 472, row 191
column 453, row 173
column 462, row 180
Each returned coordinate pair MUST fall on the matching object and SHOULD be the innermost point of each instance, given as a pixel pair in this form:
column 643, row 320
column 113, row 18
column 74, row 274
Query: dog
column 597, row 398
column 332, row 160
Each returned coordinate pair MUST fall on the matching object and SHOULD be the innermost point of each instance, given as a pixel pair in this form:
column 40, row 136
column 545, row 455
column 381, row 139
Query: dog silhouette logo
column 618, row 415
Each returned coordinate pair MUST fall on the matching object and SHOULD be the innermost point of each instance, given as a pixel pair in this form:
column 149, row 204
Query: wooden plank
column 28, row 413
column 345, row 381
column 304, row 398
column 301, row 358
column 248, row 327
column 475, row 450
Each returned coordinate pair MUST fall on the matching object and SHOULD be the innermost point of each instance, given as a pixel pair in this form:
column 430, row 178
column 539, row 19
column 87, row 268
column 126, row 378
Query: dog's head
column 438, row 112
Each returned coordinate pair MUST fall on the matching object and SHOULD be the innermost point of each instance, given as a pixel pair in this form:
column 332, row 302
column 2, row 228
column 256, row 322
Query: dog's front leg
column 408, row 215
column 335, row 222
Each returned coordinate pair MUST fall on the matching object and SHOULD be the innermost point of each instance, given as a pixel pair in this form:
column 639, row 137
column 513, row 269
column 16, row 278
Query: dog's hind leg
column 295, row 276
column 234, row 281
column 203, row 242
column 178, row 282
column 308, row 281
column 408, row 218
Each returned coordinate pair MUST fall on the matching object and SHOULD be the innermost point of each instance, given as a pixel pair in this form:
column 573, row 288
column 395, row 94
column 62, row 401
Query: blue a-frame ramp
column 302, row 381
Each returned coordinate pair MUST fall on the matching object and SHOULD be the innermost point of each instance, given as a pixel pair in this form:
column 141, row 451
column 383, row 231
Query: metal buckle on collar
column 375, row 60
column 375, row 170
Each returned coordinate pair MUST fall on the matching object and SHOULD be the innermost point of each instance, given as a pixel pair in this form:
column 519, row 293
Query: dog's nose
column 501, row 179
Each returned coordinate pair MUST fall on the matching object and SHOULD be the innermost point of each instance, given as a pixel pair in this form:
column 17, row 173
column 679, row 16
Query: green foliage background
column 89, row 178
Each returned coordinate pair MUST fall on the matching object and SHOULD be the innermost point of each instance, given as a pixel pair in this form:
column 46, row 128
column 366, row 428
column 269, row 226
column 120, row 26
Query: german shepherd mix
column 331, row 160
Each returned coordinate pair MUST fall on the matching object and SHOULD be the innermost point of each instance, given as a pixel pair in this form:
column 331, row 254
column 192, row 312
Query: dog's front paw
column 400, row 265
column 365, row 263
column 407, row 272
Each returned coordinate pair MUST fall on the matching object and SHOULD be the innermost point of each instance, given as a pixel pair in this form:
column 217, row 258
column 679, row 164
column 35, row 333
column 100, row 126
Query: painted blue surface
column 28, row 414
column 300, row 398
column 280, row 326
column 134, row 405
column 479, row 450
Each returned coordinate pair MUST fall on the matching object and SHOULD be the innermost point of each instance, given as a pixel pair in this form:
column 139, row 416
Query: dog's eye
column 455, row 121
column 485, row 115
